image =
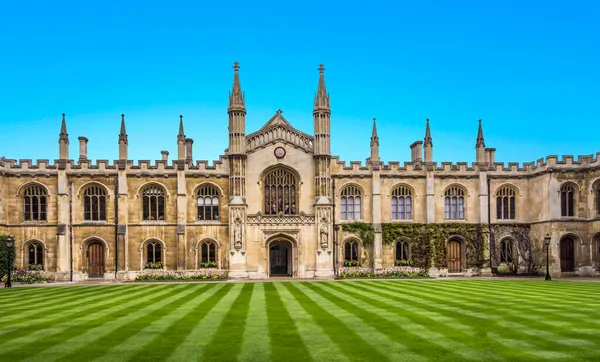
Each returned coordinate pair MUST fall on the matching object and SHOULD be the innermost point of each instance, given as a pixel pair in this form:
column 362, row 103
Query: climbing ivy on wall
column 531, row 252
column 428, row 241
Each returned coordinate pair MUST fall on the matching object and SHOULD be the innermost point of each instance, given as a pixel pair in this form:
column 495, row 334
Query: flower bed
column 28, row 276
column 404, row 272
column 181, row 276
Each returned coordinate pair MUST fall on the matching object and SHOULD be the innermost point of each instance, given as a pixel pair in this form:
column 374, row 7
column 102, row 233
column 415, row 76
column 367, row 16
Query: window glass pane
column 447, row 207
column 161, row 208
column 31, row 258
column 401, row 208
column 157, row 253
column 357, row 208
column 461, row 208
column 453, row 207
column 505, row 207
column 35, row 208
column 350, row 208
column 39, row 258
column 499, row 207
column 394, row 208
column 563, row 203
column 347, row 251
column 150, row 253
column 408, row 208
column 512, row 208
column 27, row 208
column 343, row 208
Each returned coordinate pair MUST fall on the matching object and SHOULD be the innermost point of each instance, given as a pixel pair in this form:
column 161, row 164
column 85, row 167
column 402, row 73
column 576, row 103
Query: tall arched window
column 402, row 251
column 280, row 188
column 402, row 203
column 454, row 202
column 505, row 203
column 35, row 253
column 507, row 253
column 154, row 203
column 208, row 255
column 94, row 203
column 351, row 252
column 351, row 198
column 567, row 199
column 208, row 203
column 34, row 203
column 153, row 252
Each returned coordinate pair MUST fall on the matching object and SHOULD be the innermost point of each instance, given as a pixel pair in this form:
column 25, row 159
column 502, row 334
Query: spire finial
column 181, row 135
column 236, row 66
column 427, row 141
column 236, row 97
column 321, row 68
column 321, row 98
column 374, row 133
column 480, row 141
column 123, row 133
column 63, row 136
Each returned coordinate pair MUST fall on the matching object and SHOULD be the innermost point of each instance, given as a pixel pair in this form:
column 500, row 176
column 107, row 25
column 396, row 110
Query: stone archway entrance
column 454, row 255
column 280, row 261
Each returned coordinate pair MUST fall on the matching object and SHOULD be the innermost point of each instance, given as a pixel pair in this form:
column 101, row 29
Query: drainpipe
column 70, row 231
column 116, row 225
column 335, row 232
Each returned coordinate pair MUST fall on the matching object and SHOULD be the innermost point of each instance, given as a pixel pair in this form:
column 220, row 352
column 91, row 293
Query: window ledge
column 210, row 222
column 153, row 222
column 400, row 221
column 33, row 222
column 456, row 220
column 97, row 222
column 506, row 221
column 351, row 221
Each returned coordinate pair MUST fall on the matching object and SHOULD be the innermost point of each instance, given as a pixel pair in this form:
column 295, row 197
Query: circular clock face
column 279, row 152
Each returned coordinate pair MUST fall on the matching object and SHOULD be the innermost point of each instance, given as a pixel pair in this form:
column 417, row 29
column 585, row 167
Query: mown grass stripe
column 24, row 328
column 193, row 344
column 480, row 321
column 352, row 336
column 283, row 333
column 546, row 328
column 128, row 322
column 231, row 328
column 476, row 310
column 17, row 303
column 322, row 347
column 42, row 339
column 36, row 311
column 112, row 347
column 397, row 327
column 255, row 342
column 162, row 345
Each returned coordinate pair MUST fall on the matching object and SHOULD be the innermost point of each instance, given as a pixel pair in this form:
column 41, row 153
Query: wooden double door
column 567, row 255
column 95, row 259
column 454, row 256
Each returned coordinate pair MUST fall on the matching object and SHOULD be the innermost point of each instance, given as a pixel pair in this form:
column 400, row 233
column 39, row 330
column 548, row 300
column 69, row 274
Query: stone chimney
column 188, row 150
column 165, row 155
column 490, row 155
column 83, row 141
column 416, row 151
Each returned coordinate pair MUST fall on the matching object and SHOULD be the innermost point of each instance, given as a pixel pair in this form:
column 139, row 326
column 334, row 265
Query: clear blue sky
column 529, row 69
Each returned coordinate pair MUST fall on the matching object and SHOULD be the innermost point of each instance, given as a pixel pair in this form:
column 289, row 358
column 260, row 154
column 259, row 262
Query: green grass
column 416, row 320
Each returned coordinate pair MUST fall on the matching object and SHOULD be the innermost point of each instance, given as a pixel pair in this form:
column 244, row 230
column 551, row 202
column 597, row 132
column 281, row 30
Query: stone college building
column 278, row 203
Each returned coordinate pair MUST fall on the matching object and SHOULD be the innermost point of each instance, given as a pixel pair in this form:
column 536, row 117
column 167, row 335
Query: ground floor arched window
column 208, row 255
column 402, row 252
column 154, row 255
column 507, row 251
column 351, row 257
column 35, row 254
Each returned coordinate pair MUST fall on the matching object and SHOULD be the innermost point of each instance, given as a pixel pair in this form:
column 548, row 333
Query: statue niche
column 280, row 192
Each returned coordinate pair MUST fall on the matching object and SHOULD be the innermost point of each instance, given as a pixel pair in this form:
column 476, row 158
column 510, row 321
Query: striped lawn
column 411, row 320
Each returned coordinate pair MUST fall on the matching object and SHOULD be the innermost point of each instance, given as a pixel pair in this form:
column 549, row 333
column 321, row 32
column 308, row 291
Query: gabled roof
column 278, row 129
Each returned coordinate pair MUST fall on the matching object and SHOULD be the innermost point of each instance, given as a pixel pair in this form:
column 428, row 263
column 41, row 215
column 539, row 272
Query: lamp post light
column 547, row 242
column 10, row 243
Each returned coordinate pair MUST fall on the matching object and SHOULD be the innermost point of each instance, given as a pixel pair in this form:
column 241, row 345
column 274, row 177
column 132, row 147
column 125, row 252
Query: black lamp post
column 10, row 243
column 547, row 242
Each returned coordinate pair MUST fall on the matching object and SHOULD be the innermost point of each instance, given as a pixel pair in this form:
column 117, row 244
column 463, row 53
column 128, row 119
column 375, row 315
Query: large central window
column 280, row 192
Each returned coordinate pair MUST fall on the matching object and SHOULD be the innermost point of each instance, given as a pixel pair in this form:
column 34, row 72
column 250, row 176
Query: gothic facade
column 273, row 204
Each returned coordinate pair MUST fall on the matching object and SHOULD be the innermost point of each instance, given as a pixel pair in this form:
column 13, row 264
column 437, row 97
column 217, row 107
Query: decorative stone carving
column 237, row 228
column 324, row 228
column 279, row 219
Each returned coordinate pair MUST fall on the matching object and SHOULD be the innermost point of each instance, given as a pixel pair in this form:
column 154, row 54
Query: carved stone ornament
column 237, row 229
column 324, row 228
column 281, row 218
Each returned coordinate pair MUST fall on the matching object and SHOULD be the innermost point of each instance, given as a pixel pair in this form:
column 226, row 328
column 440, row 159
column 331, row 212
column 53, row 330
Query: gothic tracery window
column 596, row 189
column 402, row 203
column 351, row 251
column 505, row 203
column 280, row 192
column 94, row 203
column 402, row 250
column 567, row 199
column 35, row 253
column 34, row 203
column 153, row 203
column 154, row 252
column 454, row 203
column 208, row 252
column 208, row 203
column 351, row 200
column 506, row 251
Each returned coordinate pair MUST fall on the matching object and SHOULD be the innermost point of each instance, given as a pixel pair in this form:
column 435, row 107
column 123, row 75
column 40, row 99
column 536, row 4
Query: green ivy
column 365, row 231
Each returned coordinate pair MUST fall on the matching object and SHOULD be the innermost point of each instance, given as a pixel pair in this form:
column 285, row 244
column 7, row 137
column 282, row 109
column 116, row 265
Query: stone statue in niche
column 237, row 230
column 324, row 229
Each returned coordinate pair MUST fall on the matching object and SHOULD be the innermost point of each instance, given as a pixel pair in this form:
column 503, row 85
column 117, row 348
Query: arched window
column 35, row 253
column 454, row 203
column 208, row 203
column 280, row 187
column 154, row 203
column 505, row 203
column 154, row 255
column 567, row 199
column 402, row 252
column 402, row 203
column 507, row 251
column 351, row 257
column 34, row 203
column 208, row 255
column 94, row 203
column 351, row 198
